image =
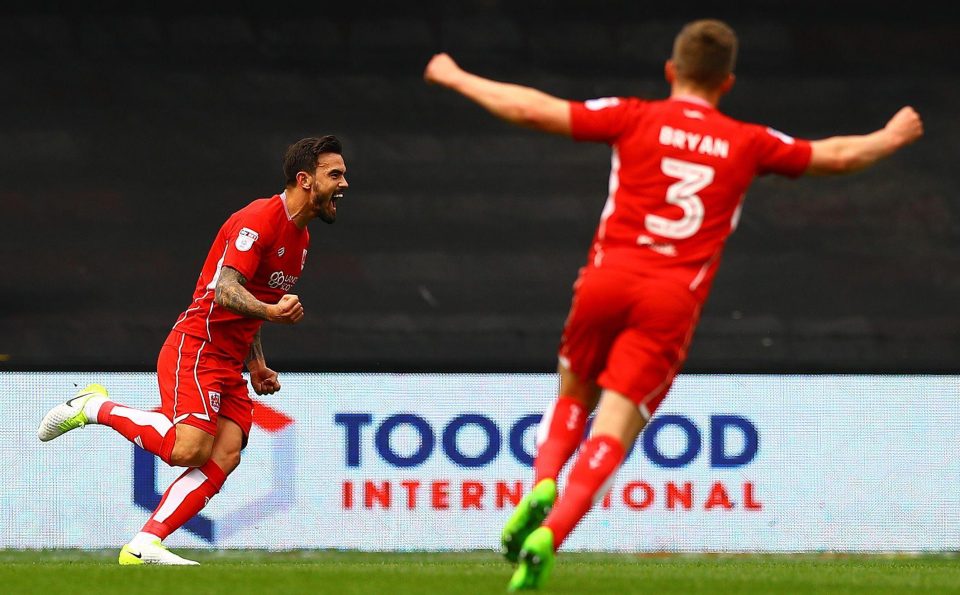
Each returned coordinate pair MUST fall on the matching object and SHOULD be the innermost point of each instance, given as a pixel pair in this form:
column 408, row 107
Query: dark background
column 127, row 137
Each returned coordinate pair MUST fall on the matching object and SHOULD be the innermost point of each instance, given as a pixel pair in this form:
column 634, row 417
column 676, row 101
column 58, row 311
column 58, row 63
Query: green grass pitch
column 236, row 572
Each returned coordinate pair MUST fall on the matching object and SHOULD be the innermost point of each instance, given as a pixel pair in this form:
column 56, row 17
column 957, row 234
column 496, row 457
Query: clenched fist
column 287, row 311
column 905, row 126
column 264, row 381
column 441, row 70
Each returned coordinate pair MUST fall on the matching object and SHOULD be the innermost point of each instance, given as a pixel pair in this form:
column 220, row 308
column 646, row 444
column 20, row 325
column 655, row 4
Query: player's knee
column 190, row 454
column 572, row 386
column 228, row 461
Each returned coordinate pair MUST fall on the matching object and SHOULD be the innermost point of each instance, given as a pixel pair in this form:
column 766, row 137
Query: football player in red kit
column 205, row 408
column 679, row 171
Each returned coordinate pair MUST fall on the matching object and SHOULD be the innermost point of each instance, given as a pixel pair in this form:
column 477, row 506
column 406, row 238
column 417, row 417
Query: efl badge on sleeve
column 303, row 262
column 246, row 239
column 785, row 138
column 595, row 105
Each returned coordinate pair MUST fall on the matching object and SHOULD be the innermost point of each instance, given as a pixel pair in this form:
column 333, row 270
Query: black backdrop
column 128, row 136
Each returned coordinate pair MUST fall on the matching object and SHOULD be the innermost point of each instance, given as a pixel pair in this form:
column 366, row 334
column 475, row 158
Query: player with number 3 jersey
column 679, row 172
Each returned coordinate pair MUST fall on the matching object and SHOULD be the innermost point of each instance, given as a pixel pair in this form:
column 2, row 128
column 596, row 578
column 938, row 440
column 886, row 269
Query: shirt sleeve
column 601, row 120
column 246, row 243
column 781, row 154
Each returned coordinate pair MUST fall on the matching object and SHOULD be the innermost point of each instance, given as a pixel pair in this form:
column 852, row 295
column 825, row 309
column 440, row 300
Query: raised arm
column 231, row 294
column 847, row 154
column 523, row 106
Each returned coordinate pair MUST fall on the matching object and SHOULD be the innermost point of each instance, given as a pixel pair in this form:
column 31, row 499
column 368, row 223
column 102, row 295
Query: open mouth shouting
column 328, row 210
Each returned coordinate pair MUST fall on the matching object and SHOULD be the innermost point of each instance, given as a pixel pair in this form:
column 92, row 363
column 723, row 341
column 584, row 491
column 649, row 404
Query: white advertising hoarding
column 436, row 461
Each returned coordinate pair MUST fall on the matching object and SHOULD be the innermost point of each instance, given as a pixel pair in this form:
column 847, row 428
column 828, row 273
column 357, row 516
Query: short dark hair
column 705, row 52
column 304, row 154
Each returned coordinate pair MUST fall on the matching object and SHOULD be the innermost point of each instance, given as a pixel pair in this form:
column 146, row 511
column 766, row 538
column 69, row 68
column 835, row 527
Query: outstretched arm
column 263, row 380
column 847, row 154
column 523, row 106
column 231, row 294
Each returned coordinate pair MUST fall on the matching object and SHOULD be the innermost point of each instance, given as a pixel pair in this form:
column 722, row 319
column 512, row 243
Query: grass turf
column 241, row 572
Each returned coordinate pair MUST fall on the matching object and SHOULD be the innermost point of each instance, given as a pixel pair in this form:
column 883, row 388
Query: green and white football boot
column 153, row 552
column 70, row 415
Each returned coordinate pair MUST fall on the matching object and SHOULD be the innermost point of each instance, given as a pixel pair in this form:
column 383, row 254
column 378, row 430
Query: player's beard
column 322, row 206
column 328, row 217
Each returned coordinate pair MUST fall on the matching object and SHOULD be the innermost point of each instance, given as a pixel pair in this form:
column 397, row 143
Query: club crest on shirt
column 245, row 239
column 281, row 251
column 214, row 401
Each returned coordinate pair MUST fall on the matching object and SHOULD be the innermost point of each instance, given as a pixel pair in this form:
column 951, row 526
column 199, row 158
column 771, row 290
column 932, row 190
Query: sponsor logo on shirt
column 281, row 280
column 245, row 239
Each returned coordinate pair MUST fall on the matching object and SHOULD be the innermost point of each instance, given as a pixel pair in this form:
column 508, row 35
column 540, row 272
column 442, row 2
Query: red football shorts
column 628, row 333
column 198, row 384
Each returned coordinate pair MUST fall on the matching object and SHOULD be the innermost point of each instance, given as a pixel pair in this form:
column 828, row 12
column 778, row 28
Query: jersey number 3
column 691, row 178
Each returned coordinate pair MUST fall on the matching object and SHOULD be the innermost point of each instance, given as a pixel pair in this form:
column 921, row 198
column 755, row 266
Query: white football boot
column 70, row 415
column 153, row 552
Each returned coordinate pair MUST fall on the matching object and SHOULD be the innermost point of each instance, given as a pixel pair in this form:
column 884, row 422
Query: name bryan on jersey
column 692, row 141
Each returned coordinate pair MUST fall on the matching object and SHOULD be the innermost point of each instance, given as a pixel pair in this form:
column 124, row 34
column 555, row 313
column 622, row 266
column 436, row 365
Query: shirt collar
column 692, row 99
column 283, row 200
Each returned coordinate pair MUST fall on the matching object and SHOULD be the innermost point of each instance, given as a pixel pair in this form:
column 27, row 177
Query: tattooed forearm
column 231, row 294
column 256, row 352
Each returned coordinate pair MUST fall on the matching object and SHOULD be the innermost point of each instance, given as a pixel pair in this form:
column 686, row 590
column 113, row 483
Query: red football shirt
column 678, row 176
column 265, row 246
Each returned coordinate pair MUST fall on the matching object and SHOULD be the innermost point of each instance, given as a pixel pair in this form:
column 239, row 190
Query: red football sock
column 185, row 498
column 589, row 479
column 150, row 430
column 558, row 437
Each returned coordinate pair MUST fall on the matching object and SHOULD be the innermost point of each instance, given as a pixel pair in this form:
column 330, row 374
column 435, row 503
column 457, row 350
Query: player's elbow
column 545, row 122
column 842, row 164
column 835, row 163
column 221, row 291
column 229, row 460
column 844, row 155
column 528, row 116
column 854, row 164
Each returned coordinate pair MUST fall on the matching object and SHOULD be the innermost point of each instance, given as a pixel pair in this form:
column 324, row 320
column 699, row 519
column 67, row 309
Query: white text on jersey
column 692, row 141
